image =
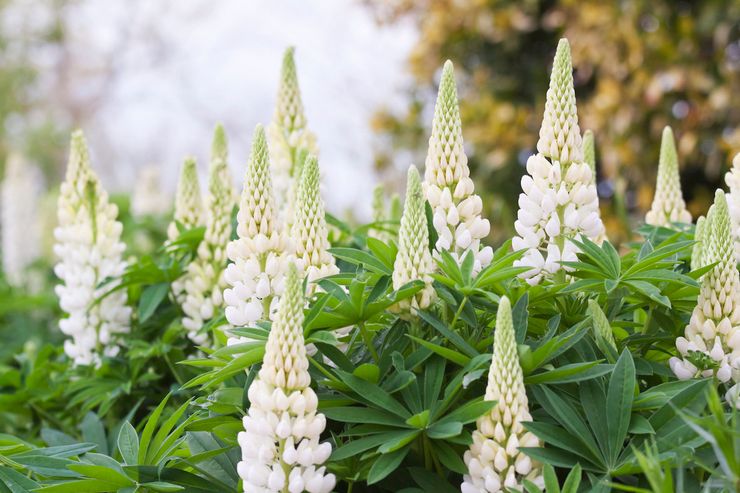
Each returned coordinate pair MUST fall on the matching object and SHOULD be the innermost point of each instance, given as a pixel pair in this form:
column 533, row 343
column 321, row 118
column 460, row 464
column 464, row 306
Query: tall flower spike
column 21, row 233
column 558, row 200
column 89, row 249
column 697, row 251
column 447, row 184
column 560, row 137
column 259, row 256
column 288, row 134
column 188, row 202
column 280, row 444
column 414, row 261
column 309, row 228
column 668, row 205
column 732, row 178
column 494, row 461
column 380, row 213
column 711, row 342
column 204, row 280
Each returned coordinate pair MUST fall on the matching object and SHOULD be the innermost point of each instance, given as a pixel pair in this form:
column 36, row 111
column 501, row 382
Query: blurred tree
column 639, row 65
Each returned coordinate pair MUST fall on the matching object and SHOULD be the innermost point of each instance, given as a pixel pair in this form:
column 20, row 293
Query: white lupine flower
column 288, row 135
column 711, row 342
column 188, row 202
column 204, row 280
column 260, row 255
column 148, row 199
column 447, row 183
column 21, row 235
column 494, row 461
column 89, row 250
column 732, row 178
column 280, row 446
column 668, row 204
column 309, row 231
column 558, row 200
column 697, row 251
column 414, row 261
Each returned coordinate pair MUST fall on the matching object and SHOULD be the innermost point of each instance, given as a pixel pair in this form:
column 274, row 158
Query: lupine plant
column 257, row 352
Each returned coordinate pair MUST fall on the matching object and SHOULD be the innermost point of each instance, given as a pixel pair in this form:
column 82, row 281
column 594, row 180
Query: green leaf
column 362, row 415
column 93, row 431
column 386, row 464
column 360, row 257
column 574, row 372
column 374, row 395
column 397, row 440
column 360, row 445
column 520, row 316
column 103, row 473
column 448, row 429
column 128, row 444
column 15, row 481
column 151, row 424
column 619, row 397
column 448, row 354
column 150, row 299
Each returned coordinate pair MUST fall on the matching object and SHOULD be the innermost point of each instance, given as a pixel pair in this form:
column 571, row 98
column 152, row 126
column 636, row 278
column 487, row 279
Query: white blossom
column 204, row 280
column 89, row 249
column 189, row 210
column 414, row 260
column 148, row 198
column 494, row 460
column 21, row 235
column 280, row 444
column 668, row 204
column 711, row 342
column 732, row 178
column 288, row 135
column 558, row 200
column 447, row 183
column 260, row 255
column 309, row 231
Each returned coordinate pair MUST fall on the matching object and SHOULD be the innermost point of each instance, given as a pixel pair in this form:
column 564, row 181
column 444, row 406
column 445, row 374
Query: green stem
column 368, row 341
column 459, row 311
column 172, row 369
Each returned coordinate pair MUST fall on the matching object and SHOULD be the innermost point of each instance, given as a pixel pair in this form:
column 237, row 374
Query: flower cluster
column 260, row 255
column 20, row 229
column 494, row 461
column 148, row 199
column 188, row 202
column 204, row 280
column 309, row 227
column 732, row 178
column 414, row 261
column 89, row 249
column 280, row 442
column 711, row 343
column 558, row 200
column 288, row 135
column 447, row 183
column 668, row 204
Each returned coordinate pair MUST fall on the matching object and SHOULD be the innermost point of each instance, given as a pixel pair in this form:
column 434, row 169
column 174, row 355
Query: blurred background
column 147, row 80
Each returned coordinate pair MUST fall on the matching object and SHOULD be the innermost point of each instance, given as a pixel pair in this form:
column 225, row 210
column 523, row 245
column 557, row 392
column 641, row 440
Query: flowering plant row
column 281, row 350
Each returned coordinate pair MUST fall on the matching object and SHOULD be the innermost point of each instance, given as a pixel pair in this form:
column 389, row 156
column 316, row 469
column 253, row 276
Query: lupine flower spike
column 309, row 228
column 558, row 200
column 220, row 154
column 414, row 260
column 21, row 238
column 288, row 135
column 280, row 442
column 188, row 202
column 89, row 249
column 204, row 280
column 494, row 461
column 447, row 184
column 668, row 205
column 732, row 178
column 602, row 328
column 711, row 343
column 260, row 255
column 380, row 213
column 697, row 251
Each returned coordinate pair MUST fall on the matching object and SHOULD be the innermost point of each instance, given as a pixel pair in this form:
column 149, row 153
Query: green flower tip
column 288, row 61
column 220, row 144
column 504, row 318
column 310, row 175
column 293, row 284
column 413, row 180
column 589, row 150
column 447, row 85
column 668, row 154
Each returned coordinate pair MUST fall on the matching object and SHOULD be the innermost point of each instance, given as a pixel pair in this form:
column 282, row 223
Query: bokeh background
column 148, row 79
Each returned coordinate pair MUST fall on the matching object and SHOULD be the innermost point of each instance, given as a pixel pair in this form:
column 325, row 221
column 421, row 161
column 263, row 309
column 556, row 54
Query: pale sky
column 186, row 64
